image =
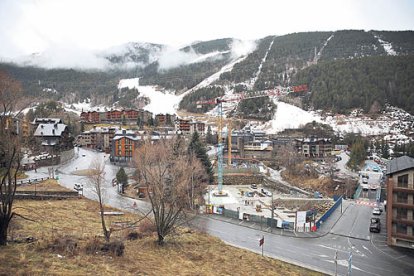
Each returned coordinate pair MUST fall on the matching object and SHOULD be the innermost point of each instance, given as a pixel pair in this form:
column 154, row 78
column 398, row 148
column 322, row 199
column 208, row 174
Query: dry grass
column 60, row 224
column 314, row 183
column 47, row 185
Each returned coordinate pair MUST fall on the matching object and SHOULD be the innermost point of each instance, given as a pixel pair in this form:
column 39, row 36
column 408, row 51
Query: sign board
column 300, row 220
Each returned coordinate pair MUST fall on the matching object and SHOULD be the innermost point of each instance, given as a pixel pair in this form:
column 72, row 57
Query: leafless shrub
column 64, row 245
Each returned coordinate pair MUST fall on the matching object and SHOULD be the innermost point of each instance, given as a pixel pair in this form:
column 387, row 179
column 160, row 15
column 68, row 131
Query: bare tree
column 174, row 179
column 10, row 155
column 96, row 177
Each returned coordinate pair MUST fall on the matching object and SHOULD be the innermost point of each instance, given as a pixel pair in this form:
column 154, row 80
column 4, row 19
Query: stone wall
column 44, row 195
column 242, row 179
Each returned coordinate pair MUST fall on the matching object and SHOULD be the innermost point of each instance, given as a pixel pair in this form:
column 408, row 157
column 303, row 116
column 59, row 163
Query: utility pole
column 272, row 215
column 336, row 262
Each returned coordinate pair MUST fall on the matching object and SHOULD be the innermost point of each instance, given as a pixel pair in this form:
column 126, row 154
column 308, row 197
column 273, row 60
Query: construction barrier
column 329, row 212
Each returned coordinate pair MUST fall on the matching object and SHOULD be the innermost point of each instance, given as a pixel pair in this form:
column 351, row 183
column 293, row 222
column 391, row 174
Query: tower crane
column 237, row 98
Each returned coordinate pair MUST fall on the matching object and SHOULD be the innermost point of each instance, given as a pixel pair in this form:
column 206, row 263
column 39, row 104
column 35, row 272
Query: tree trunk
column 3, row 233
column 160, row 239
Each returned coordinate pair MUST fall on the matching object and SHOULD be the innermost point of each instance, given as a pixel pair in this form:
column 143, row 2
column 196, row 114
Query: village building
column 53, row 137
column 124, row 144
column 314, row 147
column 400, row 202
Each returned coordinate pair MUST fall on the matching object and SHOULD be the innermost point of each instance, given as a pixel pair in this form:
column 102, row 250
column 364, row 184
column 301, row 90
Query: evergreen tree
column 139, row 122
column 358, row 153
column 197, row 148
column 385, row 151
column 122, row 178
column 209, row 136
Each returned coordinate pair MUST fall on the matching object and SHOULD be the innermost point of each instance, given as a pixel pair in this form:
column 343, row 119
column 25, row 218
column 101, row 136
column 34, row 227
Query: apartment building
column 400, row 202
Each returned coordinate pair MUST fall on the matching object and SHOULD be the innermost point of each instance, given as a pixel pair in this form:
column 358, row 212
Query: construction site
column 249, row 190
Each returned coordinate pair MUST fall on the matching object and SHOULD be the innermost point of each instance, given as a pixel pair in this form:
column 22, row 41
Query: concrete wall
column 242, row 179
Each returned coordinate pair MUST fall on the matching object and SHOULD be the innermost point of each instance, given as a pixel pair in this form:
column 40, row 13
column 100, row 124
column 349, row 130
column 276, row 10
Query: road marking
column 345, row 263
column 400, row 257
column 366, row 249
column 332, row 248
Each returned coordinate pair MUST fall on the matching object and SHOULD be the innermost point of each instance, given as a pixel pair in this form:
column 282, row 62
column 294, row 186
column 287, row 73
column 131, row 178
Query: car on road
column 375, row 225
column 253, row 186
column 376, row 211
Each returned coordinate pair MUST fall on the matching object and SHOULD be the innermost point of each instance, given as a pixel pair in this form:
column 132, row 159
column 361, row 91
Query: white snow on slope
column 159, row 102
column 319, row 54
column 288, row 116
column 387, row 46
column 216, row 76
column 259, row 69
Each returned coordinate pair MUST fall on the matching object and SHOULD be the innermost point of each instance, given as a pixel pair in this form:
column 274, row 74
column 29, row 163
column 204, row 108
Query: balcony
column 401, row 220
column 408, row 190
column 403, row 205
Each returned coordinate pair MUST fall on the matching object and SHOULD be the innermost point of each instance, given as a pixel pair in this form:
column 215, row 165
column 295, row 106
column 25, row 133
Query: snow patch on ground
column 387, row 46
column 288, row 116
column 160, row 102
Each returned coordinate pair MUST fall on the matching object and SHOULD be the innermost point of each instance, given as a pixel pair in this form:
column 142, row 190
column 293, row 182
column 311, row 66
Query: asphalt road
column 82, row 161
column 368, row 258
column 370, row 254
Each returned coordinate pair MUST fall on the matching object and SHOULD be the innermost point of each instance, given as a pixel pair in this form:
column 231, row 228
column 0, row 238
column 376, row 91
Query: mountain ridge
column 270, row 62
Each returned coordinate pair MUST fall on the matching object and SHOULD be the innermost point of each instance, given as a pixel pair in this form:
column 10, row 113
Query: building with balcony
column 400, row 202
column 124, row 144
column 314, row 147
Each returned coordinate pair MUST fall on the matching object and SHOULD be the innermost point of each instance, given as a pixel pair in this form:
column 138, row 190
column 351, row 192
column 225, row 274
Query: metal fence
column 261, row 220
column 30, row 181
column 358, row 192
column 329, row 212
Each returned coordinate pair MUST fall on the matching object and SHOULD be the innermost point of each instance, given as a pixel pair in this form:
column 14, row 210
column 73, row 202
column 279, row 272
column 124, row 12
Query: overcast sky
column 28, row 26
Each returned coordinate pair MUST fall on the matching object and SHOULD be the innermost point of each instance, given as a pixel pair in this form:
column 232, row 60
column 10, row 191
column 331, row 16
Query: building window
column 401, row 229
column 401, row 213
column 402, row 197
column 403, row 181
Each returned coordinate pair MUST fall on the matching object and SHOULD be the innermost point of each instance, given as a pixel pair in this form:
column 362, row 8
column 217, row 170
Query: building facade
column 124, row 144
column 400, row 202
column 137, row 116
column 314, row 147
column 53, row 137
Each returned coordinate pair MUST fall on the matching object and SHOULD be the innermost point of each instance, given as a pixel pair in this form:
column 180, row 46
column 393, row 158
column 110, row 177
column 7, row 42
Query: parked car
column 375, row 225
column 376, row 211
column 266, row 192
column 253, row 186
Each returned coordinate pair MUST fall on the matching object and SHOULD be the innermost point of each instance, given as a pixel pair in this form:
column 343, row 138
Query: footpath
column 323, row 230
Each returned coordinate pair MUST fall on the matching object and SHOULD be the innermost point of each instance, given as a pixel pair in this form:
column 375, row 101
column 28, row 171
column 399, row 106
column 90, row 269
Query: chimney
column 41, row 126
column 56, row 125
column 53, row 131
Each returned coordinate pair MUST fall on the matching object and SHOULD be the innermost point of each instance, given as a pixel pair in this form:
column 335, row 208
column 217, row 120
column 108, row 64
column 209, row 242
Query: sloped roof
column 134, row 138
column 400, row 164
column 54, row 130
column 47, row 121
